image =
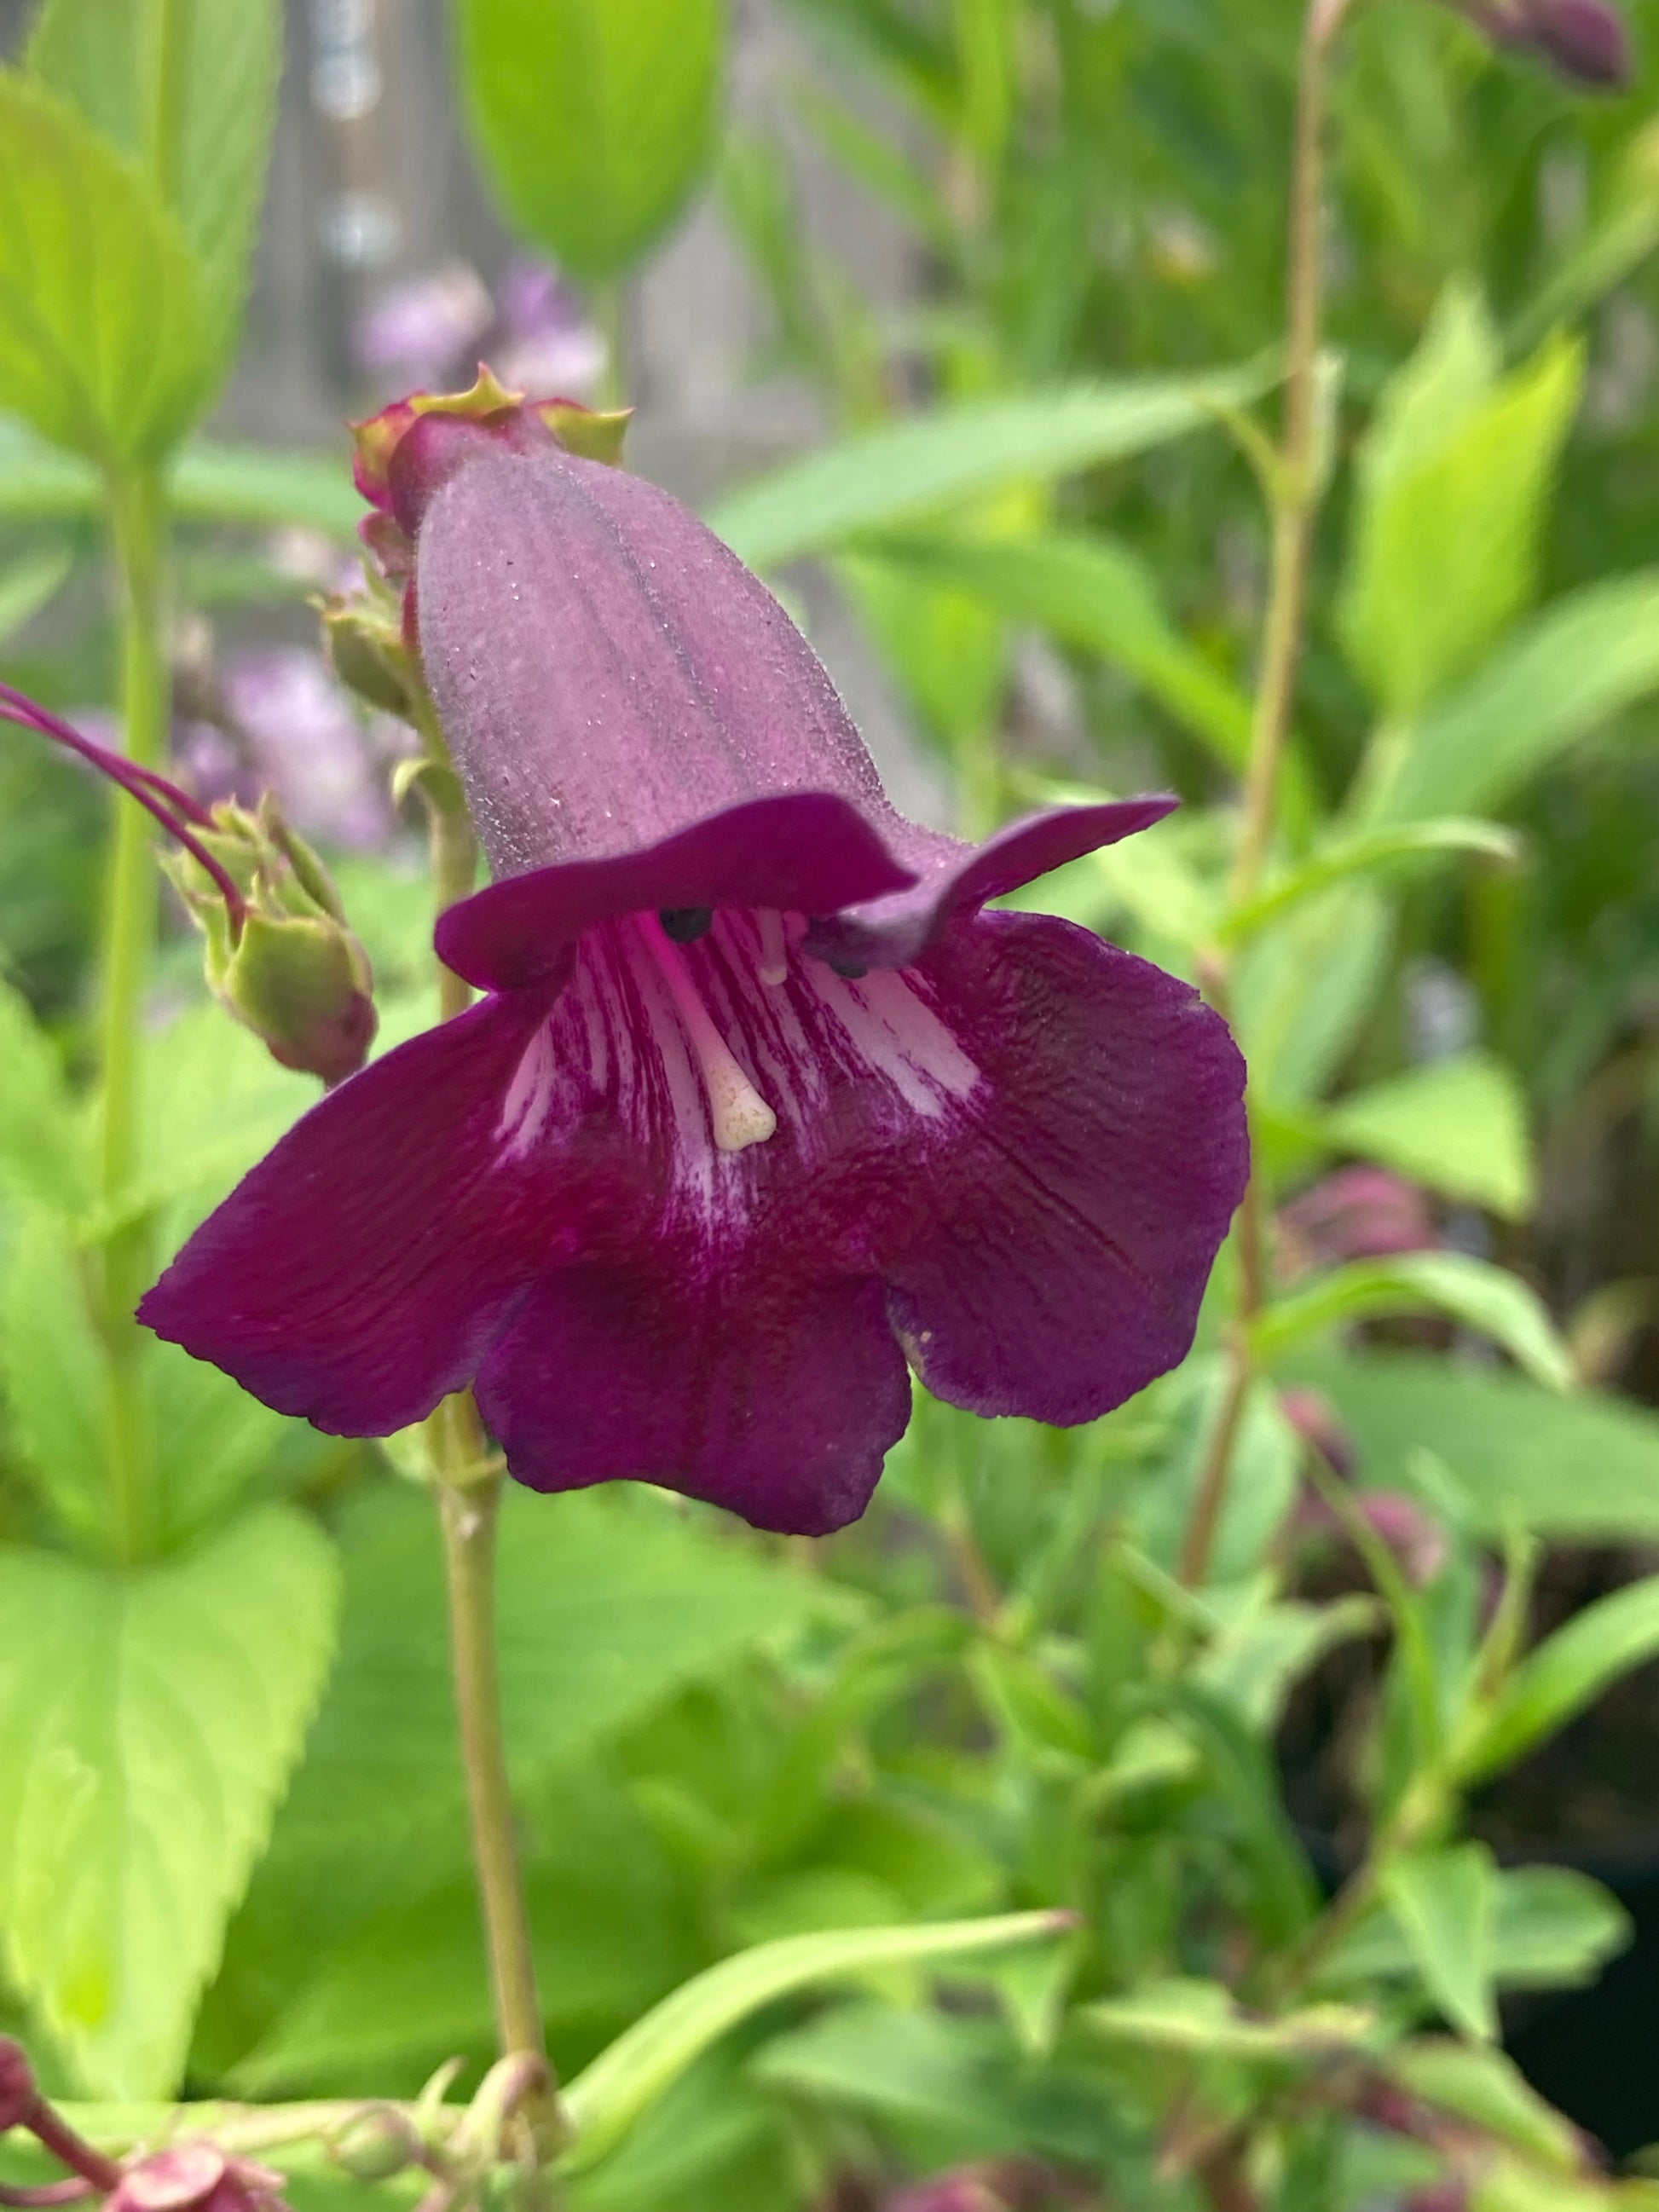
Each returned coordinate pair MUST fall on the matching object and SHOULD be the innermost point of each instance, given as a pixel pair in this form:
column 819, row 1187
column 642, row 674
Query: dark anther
column 685, row 923
column 850, row 970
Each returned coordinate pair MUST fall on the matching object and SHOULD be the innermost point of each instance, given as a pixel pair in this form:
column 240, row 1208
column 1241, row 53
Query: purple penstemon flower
column 759, row 1102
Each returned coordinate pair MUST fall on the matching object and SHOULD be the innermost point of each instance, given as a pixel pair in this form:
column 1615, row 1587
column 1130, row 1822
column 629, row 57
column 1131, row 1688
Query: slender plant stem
column 468, row 1513
column 54, row 2133
column 454, row 847
column 468, row 1491
column 609, row 308
column 1295, row 499
column 1295, row 495
column 138, row 528
column 1198, row 1541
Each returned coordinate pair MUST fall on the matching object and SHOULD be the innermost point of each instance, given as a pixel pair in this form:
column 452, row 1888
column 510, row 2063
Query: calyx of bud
column 287, row 966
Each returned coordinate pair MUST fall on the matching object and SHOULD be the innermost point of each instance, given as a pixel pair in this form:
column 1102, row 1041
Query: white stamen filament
column 775, row 950
column 739, row 1115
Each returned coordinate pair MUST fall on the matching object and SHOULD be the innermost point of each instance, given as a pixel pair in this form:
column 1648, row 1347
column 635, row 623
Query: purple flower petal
column 358, row 1274
column 776, row 1402
column 952, row 879
column 808, row 851
column 1074, row 1223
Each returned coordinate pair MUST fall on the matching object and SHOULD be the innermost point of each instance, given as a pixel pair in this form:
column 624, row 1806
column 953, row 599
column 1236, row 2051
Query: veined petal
column 775, row 1399
column 1057, row 1263
column 357, row 1274
column 810, row 852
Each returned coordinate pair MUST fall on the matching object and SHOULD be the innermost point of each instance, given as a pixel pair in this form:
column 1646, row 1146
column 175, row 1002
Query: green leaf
column 205, row 132
column 603, row 1608
column 1484, row 1297
column 1553, row 1928
column 1565, row 1673
column 102, row 333
column 211, row 1439
column 1508, row 1440
column 147, row 1722
column 255, row 487
column 1574, row 666
column 596, row 118
column 1204, row 2019
column 41, row 1155
column 1368, row 854
column 1458, row 1126
column 1444, row 1903
column 53, row 1374
column 1266, row 1455
column 905, row 471
column 1480, row 2085
column 608, row 2096
column 1452, row 481
column 31, row 582
column 411, row 1983
column 1255, row 1660
column 1620, row 235
column 964, row 2075
column 1100, row 596
column 948, row 652
column 1304, row 989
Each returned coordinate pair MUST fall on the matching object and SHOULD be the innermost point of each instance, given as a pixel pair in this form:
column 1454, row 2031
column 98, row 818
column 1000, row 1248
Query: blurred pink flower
column 416, row 330
column 1354, row 1213
column 306, row 742
column 1416, row 1539
column 428, row 330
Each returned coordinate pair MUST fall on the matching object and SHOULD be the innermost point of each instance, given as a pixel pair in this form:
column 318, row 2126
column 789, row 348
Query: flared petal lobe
column 360, row 1272
column 777, row 1403
column 607, row 673
column 1070, row 1230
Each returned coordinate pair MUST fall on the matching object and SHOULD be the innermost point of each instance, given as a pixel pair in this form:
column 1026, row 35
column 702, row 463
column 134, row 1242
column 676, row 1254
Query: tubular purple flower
column 760, row 1101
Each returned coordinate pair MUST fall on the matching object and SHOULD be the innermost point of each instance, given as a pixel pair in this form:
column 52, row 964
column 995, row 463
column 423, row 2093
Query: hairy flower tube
column 760, row 1101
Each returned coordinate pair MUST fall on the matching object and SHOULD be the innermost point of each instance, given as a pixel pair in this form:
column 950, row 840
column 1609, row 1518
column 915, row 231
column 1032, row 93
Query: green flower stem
column 467, row 1478
column 138, row 525
column 1295, row 499
column 469, row 1512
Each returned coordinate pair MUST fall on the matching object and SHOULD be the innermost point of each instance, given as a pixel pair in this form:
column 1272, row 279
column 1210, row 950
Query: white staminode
column 774, row 949
column 739, row 1114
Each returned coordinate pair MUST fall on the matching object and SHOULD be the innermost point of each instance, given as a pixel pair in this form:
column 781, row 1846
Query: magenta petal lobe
column 358, row 1274
column 778, row 1403
column 1072, row 1230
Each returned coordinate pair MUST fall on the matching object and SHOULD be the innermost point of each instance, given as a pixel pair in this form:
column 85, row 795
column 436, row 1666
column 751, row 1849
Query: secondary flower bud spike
column 760, row 1101
column 280, row 956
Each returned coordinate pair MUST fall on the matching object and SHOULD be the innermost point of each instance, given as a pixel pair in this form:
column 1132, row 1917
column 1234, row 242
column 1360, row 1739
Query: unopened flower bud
column 375, row 2143
column 1354, row 1213
column 366, row 652
column 286, row 965
column 1416, row 1541
column 1585, row 40
column 196, row 2177
column 1451, row 2195
column 17, row 2090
